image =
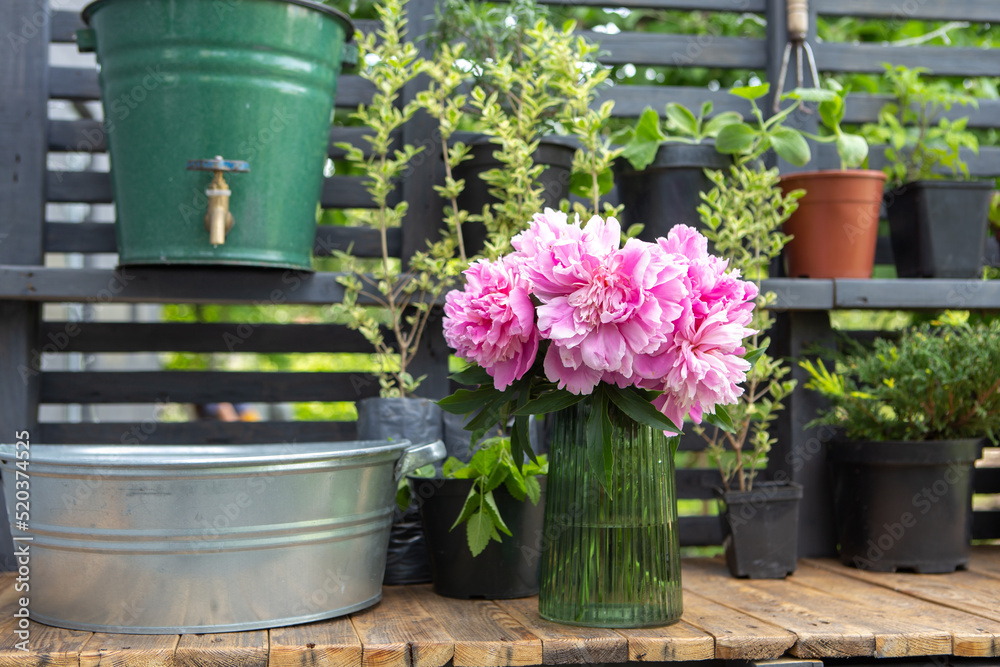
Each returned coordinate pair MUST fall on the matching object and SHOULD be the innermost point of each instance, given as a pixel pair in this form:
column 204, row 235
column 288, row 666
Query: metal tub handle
column 418, row 456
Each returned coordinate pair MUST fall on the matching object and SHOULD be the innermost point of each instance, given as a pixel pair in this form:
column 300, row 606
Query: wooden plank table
column 824, row 611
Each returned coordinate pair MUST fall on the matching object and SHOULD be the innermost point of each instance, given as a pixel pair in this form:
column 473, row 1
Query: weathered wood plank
column 819, row 633
column 49, row 646
column 917, row 294
column 398, row 632
column 647, row 48
column 91, row 237
column 965, row 591
column 950, row 61
column 485, row 635
column 203, row 387
column 985, row 560
column 196, row 432
column 201, row 337
column 228, row 649
column 107, row 650
column 972, row 636
column 737, row 636
column 565, row 644
column 951, row 10
column 80, row 83
column 680, row 641
column 332, row 643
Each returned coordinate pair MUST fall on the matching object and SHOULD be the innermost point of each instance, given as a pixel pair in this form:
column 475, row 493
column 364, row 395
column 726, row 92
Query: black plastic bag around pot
column 938, row 228
column 508, row 569
column 760, row 529
column 417, row 420
column 904, row 505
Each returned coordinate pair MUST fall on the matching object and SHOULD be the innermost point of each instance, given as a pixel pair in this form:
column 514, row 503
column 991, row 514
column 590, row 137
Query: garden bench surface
column 824, row 611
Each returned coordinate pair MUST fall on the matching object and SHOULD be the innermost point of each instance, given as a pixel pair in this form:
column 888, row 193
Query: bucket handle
column 418, row 456
column 86, row 40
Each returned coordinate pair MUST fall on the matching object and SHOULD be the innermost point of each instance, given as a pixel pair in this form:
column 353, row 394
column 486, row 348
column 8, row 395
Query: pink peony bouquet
column 655, row 329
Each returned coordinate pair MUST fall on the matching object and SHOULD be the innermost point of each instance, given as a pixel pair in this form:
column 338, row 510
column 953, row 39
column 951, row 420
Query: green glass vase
column 610, row 556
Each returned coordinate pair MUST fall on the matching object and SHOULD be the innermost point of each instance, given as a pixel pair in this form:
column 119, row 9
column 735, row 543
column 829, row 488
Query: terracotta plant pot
column 835, row 227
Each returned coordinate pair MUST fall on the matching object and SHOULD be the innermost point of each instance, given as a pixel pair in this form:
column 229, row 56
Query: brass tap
column 218, row 219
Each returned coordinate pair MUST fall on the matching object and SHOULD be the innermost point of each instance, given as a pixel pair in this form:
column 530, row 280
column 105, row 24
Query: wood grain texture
column 818, row 633
column 565, row 644
column 737, row 635
column 966, row 591
column 398, row 632
column 229, row 649
column 108, row 650
column 332, row 643
column 679, row 641
column 972, row 636
column 485, row 635
column 51, row 647
column 985, row 560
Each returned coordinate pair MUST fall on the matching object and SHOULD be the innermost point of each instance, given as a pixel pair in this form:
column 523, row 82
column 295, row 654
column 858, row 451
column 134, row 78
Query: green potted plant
column 937, row 225
column 834, row 230
column 743, row 216
column 914, row 415
column 491, row 494
column 662, row 174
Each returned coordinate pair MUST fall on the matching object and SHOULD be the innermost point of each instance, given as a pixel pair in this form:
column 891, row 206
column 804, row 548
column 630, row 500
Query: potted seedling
column 937, row 224
column 662, row 175
column 835, row 228
column 913, row 415
column 493, row 496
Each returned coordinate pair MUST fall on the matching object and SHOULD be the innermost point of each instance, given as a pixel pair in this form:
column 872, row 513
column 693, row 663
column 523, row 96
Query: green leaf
column 473, row 375
column 737, row 138
column 512, row 488
column 599, row 437
column 682, row 119
column 791, row 146
column 490, row 507
column 832, row 112
column 403, row 496
column 641, row 149
column 719, row 121
column 464, row 401
column 495, row 479
column 853, row 149
column 533, row 488
column 581, row 183
column 551, row 401
column 478, row 532
column 812, row 95
column 753, row 355
column 472, row 503
column 751, row 92
column 721, row 419
column 647, row 128
column 639, row 409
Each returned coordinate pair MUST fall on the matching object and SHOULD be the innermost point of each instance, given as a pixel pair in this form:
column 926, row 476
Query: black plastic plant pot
column 938, row 228
column 556, row 157
column 760, row 529
column 668, row 191
column 507, row 569
column 904, row 505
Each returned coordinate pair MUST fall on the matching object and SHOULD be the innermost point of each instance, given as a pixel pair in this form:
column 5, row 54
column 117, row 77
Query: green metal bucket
column 187, row 81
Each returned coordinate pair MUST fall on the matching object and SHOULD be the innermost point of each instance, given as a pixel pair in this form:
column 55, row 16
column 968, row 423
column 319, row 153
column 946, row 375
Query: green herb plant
column 681, row 125
column 749, row 141
column 936, row 382
column 403, row 296
column 491, row 466
column 921, row 142
column 742, row 216
column 852, row 148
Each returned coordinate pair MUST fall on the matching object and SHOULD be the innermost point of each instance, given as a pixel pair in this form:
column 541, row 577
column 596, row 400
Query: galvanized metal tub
column 190, row 539
column 246, row 80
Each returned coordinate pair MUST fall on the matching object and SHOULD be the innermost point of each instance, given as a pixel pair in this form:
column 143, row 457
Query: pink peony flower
column 492, row 321
column 601, row 305
column 702, row 366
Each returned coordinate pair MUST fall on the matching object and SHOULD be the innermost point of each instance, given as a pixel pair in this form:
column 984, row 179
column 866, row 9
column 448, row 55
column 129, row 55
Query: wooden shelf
column 825, row 610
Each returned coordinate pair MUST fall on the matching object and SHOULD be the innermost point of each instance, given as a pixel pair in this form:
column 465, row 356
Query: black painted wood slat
column 986, row 525
column 679, row 50
column 630, row 101
column 917, row 294
column 699, row 531
column 900, row 10
column 80, row 83
column 941, row 61
column 266, row 338
column 196, row 433
column 756, row 6
column 697, row 483
column 204, row 387
column 96, row 237
column 864, row 109
column 986, row 480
